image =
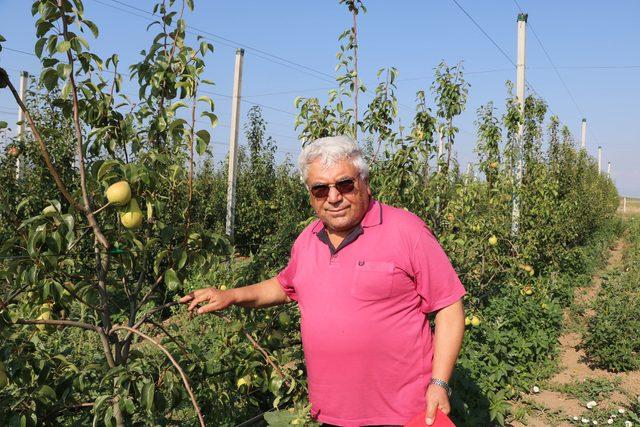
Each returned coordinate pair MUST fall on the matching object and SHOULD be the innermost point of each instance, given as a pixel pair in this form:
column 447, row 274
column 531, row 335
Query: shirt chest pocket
column 372, row 280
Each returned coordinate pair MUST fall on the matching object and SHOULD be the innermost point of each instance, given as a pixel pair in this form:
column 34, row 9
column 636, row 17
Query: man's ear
column 366, row 182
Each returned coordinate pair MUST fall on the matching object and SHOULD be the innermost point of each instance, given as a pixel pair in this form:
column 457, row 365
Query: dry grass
column 633, row 207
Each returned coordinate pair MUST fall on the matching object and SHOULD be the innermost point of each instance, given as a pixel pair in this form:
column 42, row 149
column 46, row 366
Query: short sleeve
column 437, row 282
column 286, row 276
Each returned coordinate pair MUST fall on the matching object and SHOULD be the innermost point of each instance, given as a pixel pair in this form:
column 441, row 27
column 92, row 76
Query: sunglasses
column 321, row 191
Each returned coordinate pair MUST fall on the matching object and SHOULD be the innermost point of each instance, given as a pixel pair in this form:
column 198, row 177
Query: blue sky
column 594, row 44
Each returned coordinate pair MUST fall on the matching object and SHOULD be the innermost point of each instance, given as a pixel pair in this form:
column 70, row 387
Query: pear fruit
column 131, row 217
column 46, row 315
column 119, row 194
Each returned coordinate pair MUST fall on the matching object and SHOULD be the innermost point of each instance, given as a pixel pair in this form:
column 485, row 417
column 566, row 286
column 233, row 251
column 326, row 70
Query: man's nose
column 334, row 195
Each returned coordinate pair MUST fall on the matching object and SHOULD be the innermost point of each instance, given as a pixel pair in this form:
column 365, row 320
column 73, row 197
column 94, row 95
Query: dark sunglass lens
column 320, row 191
column 345, row 186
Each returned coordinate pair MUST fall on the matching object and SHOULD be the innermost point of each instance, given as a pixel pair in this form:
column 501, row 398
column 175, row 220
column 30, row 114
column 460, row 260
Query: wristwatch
column 442, row 384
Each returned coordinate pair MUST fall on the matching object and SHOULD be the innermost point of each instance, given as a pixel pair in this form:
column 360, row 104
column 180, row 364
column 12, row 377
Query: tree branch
column 172, row 338
column 66, row 323
column 185, row 380
column 44, row 151
column 79, row 148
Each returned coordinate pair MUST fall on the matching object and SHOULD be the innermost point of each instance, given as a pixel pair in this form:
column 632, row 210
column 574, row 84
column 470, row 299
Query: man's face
column 339, row 212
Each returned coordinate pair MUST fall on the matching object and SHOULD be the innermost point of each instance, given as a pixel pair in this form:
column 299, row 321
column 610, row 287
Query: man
column 365, row 276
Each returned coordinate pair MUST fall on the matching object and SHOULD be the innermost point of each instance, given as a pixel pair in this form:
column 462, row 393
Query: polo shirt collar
column 373, row 216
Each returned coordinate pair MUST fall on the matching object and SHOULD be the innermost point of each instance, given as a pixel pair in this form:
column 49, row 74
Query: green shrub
column 612, row 340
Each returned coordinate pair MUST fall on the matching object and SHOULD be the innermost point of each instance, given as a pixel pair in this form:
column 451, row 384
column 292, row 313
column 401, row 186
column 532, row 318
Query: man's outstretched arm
column 264, row 294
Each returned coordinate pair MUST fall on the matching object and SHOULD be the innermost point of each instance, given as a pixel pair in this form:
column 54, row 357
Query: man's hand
column 436, row 398
column 215, row 299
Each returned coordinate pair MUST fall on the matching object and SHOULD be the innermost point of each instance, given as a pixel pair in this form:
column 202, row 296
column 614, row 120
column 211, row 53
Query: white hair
column 330, row 150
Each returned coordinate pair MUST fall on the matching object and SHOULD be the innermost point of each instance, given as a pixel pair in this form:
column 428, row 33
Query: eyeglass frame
column 335, row 185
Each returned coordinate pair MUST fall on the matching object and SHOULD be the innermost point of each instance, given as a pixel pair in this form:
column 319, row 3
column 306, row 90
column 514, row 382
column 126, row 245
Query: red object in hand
column 441, row 420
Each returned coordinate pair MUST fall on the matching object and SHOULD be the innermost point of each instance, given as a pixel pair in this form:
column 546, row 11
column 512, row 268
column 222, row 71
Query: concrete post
column 599, row 159
column 440, row 151
column 520, row 93
column 233, row 144
column 22, row 126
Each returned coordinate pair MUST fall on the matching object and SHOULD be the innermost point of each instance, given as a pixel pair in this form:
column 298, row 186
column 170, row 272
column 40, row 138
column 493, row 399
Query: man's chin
column 340, row 227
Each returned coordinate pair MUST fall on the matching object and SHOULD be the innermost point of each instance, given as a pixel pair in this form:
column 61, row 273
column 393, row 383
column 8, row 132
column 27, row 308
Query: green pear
column 131, row 217
column 119, row 194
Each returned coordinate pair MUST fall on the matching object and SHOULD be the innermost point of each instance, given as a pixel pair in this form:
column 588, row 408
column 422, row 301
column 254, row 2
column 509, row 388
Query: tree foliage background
column 88, row 307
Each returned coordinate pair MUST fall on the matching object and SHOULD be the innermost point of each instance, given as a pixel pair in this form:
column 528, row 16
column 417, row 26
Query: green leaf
column 97, row 406
column 203, row 134
column 202, row 141
column 64, row 46
column 159, row 257
column 108, row 417
column 39, row 46
column 93, row 27
column 179, row 257
column 279, row 418
column 106, row 166
column 208, row 101
column 171, row 280
column 148, row 391
column 4, row 78
column 3, row 125
column 212, row 117
column 66, row 90
column 201, row 146
column 47, row 392
column 177, row 105
column 49, row 78
column 69, row 221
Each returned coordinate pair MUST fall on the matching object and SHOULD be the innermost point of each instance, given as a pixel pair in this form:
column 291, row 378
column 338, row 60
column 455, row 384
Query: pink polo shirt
column 366, row 337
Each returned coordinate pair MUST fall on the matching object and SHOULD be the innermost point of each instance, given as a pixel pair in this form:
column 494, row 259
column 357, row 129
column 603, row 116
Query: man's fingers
column 186, row 298
column 445, row 408
column 432, row 405
column 198, row 298
column 209, row 308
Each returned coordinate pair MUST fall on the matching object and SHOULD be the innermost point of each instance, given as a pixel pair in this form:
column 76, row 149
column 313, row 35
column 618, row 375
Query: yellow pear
column 119, row 194
column 46, row 315
column 131, row 217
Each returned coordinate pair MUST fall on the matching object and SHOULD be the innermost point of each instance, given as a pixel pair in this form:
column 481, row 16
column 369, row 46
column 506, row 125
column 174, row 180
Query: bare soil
column 550, row 407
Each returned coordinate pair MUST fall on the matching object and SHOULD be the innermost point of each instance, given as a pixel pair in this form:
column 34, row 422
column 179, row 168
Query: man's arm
column 263, row 294
column 447, row 343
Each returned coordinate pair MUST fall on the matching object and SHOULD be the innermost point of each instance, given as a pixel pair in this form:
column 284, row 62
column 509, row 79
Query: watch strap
column 441, row 383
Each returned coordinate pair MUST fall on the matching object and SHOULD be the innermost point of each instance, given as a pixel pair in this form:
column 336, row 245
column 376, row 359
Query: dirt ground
column 563, row 396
